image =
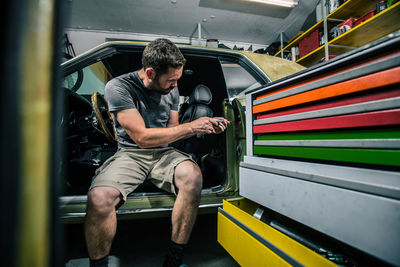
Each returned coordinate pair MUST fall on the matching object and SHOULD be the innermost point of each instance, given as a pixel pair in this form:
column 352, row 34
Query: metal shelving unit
column 372, row 29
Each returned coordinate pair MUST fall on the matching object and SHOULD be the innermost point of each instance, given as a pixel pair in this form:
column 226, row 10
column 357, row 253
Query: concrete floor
column 144, row 243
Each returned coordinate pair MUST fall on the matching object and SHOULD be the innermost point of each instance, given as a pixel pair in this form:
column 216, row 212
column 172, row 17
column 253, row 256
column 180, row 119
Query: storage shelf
column 316, row 56
column 374, row 28
column 353, row 8
column 370, row 30
column 296, row 41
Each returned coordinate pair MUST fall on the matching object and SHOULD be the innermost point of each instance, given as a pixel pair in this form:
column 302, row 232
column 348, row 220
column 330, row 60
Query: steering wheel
column 107, row 124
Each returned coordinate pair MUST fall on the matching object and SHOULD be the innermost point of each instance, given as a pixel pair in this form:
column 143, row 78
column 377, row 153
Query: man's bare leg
column 101, row 221
column 188, row 180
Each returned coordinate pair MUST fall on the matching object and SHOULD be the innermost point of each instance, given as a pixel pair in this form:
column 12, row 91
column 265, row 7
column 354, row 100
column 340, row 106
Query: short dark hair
column 161, row 54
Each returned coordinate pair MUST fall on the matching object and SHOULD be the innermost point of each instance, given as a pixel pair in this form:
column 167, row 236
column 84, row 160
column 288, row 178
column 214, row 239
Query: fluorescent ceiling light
column 285, row 3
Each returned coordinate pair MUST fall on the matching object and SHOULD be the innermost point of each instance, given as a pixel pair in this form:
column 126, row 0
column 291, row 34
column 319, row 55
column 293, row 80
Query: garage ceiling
column 229, row 20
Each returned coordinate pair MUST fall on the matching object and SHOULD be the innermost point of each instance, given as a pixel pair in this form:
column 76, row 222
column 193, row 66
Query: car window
column 237, row 78
column 90, row 79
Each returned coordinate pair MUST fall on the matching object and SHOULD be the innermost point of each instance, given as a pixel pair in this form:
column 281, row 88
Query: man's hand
column 207, row 125
column 222, row 124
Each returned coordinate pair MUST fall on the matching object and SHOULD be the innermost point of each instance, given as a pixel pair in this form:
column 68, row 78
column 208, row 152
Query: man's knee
column 102, row 200
column 188, row 177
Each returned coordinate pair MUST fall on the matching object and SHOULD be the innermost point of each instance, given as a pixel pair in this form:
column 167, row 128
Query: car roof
column 274, row 67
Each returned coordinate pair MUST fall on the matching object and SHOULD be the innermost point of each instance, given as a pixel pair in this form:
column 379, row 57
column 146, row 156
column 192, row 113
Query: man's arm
column 132, row 122
column 173, row 118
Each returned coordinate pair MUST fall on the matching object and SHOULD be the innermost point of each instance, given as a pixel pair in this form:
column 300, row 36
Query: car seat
column 194, row 108
column 197, row 105
column 205, row 149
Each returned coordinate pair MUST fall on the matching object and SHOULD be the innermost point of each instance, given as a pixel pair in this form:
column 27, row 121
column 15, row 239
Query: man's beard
column 155, row 86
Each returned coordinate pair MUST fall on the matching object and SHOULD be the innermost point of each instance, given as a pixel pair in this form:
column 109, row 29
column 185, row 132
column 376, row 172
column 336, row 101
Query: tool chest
column 323, row 148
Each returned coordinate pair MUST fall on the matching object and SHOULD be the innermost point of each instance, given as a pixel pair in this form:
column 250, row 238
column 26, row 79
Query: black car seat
column 194, row 108
column 205, row 149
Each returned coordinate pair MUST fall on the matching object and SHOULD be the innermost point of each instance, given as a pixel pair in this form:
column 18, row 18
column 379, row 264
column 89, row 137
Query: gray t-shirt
column 128, row 92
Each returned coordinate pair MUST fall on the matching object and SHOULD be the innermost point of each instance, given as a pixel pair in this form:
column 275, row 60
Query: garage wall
column 82, row 40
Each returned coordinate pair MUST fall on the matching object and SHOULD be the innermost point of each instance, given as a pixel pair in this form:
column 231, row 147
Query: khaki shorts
column 128, row 168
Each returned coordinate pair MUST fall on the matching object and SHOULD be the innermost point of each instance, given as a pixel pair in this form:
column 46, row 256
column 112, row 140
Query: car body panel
column 263, row 68
column 282, row 67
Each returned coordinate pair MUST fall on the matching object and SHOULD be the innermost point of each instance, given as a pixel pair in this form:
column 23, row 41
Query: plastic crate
column 309, row 43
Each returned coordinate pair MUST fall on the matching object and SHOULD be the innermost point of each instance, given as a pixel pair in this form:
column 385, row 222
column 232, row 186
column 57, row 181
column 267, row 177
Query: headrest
column 200, row 95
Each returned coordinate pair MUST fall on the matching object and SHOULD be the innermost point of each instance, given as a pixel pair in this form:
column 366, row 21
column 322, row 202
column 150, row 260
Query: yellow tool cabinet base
column 251, row 242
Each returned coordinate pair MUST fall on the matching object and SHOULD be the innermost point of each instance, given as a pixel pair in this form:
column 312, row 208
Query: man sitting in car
column 145, row 107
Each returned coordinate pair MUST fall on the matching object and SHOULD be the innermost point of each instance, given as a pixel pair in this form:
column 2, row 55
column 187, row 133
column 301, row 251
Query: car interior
column 202, row 89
